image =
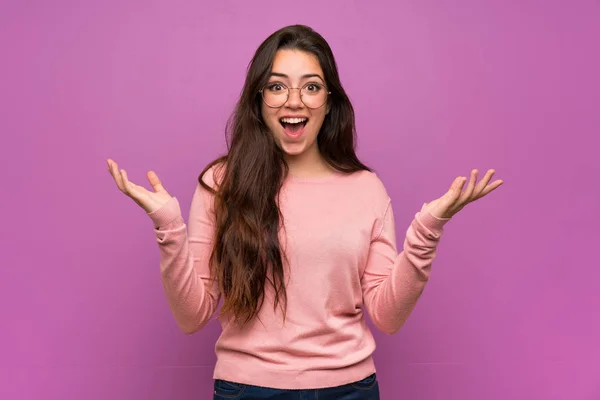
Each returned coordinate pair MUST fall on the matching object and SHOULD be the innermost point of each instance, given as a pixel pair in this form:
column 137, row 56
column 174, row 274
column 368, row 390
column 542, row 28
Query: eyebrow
column 279, row 74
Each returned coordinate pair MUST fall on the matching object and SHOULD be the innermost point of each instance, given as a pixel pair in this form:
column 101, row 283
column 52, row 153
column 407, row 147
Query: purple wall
column 512, row 310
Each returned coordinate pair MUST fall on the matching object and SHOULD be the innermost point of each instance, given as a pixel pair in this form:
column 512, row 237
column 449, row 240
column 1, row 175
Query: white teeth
column 293, row 120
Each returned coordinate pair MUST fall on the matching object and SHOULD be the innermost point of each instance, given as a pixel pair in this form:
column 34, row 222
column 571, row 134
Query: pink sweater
column 341, row 244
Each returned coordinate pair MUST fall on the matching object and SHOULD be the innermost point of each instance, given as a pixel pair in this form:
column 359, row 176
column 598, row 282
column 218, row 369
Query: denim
column 365, row 389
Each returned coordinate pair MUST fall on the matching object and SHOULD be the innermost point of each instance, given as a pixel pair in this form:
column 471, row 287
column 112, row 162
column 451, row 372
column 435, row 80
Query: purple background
column 513, row 306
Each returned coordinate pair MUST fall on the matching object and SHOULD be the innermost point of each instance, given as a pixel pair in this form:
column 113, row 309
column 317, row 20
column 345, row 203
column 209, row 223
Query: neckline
column 334, row 175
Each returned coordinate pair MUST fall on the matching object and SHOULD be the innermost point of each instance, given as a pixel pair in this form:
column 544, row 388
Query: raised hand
column 149, row 201
column 455, row 199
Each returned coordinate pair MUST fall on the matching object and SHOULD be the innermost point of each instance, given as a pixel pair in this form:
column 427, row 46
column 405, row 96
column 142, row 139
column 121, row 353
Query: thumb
column 456, row 189
column 155, row 182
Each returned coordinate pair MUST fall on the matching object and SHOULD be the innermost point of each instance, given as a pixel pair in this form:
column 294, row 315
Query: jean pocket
column 228, row 390
column 365, row 384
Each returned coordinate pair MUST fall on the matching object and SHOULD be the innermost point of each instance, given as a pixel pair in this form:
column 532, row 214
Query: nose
column 294, row 99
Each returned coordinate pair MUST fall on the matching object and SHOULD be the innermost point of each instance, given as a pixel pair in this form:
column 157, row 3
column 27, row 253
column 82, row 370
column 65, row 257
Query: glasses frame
column 289, row 89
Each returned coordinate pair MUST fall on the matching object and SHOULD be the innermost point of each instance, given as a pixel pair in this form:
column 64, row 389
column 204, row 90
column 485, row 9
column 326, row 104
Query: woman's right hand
column 149, row 201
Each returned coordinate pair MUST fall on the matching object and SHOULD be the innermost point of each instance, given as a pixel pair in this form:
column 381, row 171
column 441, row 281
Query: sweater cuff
column 166, row 214
column 430, row 221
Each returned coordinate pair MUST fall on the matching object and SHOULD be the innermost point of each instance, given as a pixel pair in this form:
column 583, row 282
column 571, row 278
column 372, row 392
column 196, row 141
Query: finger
column 114, row 171
column 483, row 183
column 129, row 187
column 155, row 182
column 456, row 189
column 468, row 193
column 490, row 188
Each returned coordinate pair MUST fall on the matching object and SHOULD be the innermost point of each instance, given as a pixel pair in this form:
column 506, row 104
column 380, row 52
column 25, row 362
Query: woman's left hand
column 455, row 199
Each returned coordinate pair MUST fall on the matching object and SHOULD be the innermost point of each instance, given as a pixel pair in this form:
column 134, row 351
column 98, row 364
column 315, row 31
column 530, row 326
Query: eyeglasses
column 276, row 94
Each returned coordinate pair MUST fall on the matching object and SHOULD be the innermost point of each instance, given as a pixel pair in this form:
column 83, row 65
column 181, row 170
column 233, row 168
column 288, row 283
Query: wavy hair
column 247, row 252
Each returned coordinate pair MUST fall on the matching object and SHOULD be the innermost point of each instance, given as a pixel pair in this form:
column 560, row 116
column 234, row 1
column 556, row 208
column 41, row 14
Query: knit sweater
column 342, row 261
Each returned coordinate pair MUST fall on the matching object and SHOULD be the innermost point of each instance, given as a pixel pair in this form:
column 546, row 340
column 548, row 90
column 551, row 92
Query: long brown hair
column 247, row 250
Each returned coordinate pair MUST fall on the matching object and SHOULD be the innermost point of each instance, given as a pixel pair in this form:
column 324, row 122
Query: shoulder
column 212, row 175
column 207, row 185
column 369, row 190
column 368, row 182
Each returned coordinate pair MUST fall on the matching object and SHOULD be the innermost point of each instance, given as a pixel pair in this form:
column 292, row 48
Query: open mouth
column 293, row 126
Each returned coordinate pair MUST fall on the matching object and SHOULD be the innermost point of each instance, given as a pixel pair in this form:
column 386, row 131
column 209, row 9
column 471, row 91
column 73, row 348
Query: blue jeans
column 366, row 389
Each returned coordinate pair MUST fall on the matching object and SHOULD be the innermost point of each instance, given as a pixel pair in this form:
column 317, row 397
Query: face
column 295, row 69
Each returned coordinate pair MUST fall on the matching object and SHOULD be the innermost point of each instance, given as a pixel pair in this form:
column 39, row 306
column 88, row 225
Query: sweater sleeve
column 184, row 260
column 392, row 283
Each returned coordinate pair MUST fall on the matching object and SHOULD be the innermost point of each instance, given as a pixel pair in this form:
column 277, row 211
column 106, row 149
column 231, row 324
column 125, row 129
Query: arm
column 392, row 283
column 184, row 260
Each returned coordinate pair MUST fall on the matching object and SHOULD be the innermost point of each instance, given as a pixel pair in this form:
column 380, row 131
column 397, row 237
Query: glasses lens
column 275, row 94
column 314, row 95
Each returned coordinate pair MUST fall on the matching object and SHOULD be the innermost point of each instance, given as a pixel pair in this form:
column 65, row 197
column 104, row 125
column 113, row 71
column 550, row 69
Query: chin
column 293, row 149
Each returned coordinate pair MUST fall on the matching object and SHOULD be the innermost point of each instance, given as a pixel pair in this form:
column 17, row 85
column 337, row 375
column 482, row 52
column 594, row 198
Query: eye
column 275, row 87
column 313, row 87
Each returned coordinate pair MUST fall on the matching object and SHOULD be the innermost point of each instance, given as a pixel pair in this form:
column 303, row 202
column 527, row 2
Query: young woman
column 296, row 235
